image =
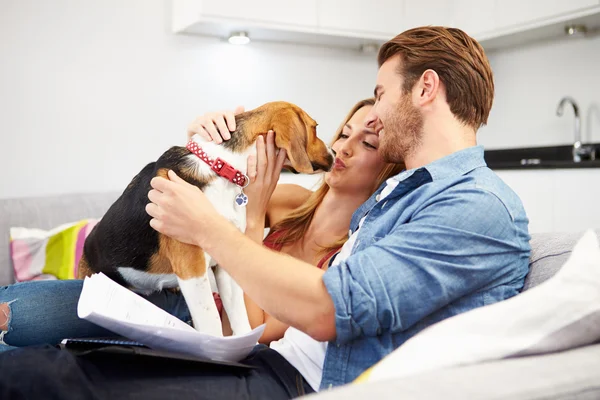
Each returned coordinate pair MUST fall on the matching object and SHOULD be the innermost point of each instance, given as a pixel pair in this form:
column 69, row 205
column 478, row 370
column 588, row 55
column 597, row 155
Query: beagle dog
column 127, row 249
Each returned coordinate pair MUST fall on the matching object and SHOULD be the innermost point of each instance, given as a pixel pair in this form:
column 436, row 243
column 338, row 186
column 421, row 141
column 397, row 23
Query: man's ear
column 291, row 134
column 428, row 87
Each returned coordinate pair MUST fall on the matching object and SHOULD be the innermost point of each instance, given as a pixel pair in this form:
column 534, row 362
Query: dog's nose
column 329, row 160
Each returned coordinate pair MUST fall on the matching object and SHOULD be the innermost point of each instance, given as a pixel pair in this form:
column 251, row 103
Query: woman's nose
column 346, row 148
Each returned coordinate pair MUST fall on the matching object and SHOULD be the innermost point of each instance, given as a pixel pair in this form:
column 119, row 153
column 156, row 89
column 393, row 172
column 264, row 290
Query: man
column 443, row 237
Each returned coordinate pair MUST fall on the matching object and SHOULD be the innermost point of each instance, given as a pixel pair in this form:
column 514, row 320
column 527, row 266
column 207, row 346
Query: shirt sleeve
column 455, row 245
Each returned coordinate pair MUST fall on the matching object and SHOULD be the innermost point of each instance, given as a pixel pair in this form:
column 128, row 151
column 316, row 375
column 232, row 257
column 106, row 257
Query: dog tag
column 241, row 199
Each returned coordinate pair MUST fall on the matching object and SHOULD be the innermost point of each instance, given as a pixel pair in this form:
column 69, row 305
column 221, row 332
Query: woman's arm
column 266, row 198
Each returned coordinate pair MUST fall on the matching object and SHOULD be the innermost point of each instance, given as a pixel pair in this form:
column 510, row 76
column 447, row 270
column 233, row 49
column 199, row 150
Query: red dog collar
column 221, row 167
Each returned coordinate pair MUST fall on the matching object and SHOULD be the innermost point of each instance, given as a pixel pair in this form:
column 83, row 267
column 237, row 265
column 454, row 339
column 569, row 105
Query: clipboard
column 134, row 351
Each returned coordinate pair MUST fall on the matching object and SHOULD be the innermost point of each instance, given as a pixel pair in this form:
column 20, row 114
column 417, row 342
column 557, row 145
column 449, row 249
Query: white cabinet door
column 577, row 200
column 474, row 16
column 280, row 12
column 561, row 200
column 536, row 189
column 516, row 12
column 382, row 17
column 428, row 12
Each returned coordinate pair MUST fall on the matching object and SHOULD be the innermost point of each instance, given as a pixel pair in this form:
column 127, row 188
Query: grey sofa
column 45, row 213
column 573, row 374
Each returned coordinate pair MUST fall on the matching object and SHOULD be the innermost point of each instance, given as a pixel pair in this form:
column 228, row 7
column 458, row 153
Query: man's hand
column 178, row 209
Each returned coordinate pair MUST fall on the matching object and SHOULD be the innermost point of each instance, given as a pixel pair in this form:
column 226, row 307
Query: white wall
column 90, row 91
column 531, row 80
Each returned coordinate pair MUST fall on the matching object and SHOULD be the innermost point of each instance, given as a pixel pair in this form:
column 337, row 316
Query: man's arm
column 290, row 290
column 459, row 244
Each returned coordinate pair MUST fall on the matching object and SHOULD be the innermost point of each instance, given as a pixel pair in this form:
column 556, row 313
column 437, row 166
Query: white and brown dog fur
column 124, row 247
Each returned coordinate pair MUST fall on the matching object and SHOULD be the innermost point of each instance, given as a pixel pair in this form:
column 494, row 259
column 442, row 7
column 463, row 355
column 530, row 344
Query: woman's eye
column 343, row 136
column 369, row 145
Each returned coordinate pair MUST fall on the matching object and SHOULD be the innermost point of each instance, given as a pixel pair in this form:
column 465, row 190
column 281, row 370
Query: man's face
column 394, row 116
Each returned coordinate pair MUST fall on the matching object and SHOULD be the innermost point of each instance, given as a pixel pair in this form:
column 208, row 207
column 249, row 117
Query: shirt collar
column 456, row 164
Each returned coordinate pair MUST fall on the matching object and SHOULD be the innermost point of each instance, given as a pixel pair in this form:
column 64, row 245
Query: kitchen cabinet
column 293, row 12
column 353, row 23
column 383, row 18
column 512, row 13
column 428, row 12
column 474, row 16
column 558, row 200
column 576, row 199
column 536, row 190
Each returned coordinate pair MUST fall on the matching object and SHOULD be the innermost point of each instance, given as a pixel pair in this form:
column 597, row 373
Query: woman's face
column 357, row 163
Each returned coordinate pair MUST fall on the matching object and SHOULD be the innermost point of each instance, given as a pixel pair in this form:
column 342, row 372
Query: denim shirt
column 450, row 237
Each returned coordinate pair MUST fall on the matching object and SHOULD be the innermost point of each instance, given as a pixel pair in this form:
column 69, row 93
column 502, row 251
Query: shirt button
column 378, row 197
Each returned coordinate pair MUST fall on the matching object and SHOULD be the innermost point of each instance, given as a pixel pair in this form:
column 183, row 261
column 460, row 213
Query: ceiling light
column 575, row 30
column 368, row 48
column 239, row 38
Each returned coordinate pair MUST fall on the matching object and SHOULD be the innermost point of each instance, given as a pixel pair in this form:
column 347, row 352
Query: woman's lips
column 339, row 164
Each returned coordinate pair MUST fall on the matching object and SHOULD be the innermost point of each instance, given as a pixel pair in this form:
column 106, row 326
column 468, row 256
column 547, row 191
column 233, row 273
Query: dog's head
column 296, row 132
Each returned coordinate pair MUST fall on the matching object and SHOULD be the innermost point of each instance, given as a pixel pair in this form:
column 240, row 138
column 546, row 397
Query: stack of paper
column 110, row 305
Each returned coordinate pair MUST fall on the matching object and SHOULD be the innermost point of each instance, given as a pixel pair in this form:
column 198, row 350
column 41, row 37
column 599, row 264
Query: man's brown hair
column 459, row 61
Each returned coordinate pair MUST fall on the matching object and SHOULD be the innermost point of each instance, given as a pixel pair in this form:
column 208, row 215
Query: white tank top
column 306, row 354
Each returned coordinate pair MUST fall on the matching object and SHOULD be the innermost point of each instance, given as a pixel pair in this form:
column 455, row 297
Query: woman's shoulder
column 285, row 198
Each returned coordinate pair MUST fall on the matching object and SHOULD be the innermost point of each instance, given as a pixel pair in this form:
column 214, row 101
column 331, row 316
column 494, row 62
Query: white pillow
column 559, row 314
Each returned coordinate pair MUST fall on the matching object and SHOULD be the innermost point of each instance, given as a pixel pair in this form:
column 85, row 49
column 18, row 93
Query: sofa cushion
column 549, row 252
column 49, row 254
column 46, row 213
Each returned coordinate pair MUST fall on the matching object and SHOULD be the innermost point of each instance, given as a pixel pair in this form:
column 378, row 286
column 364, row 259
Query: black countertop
column 551, row 157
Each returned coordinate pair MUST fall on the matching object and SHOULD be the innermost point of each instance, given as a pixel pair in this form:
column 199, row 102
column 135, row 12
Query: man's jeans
column 44, row 372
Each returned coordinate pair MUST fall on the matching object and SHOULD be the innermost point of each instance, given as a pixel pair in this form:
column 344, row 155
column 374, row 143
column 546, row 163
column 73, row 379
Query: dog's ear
column 291, row 134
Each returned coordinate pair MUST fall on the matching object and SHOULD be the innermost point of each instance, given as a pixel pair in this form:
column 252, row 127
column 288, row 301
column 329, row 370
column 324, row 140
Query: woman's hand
column 263, row 171
column 215, row 126
column 178, row 209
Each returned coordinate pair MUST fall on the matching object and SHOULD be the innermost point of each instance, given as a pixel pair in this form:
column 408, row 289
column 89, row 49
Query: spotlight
column 575, row 30
column 239, row 38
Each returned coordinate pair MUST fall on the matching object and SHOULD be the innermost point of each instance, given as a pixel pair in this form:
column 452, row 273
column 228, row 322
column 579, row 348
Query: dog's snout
column 327, row 162
column 330, row 158
column 320, row 167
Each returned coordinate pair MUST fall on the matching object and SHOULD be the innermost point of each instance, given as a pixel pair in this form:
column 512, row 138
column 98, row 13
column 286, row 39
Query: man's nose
column 373, row 122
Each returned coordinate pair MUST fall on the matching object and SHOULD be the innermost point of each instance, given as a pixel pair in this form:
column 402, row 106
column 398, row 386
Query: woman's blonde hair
column 294, row 226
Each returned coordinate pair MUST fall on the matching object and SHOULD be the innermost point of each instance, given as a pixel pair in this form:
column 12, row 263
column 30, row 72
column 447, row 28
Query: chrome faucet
column 577, row 153
column 579, row 150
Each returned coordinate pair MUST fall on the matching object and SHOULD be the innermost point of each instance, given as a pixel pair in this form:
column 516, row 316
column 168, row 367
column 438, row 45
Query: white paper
column 110, row 305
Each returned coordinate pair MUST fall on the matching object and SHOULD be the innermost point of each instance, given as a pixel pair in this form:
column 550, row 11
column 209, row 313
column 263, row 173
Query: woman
column 306, row 225
column 311, row 226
